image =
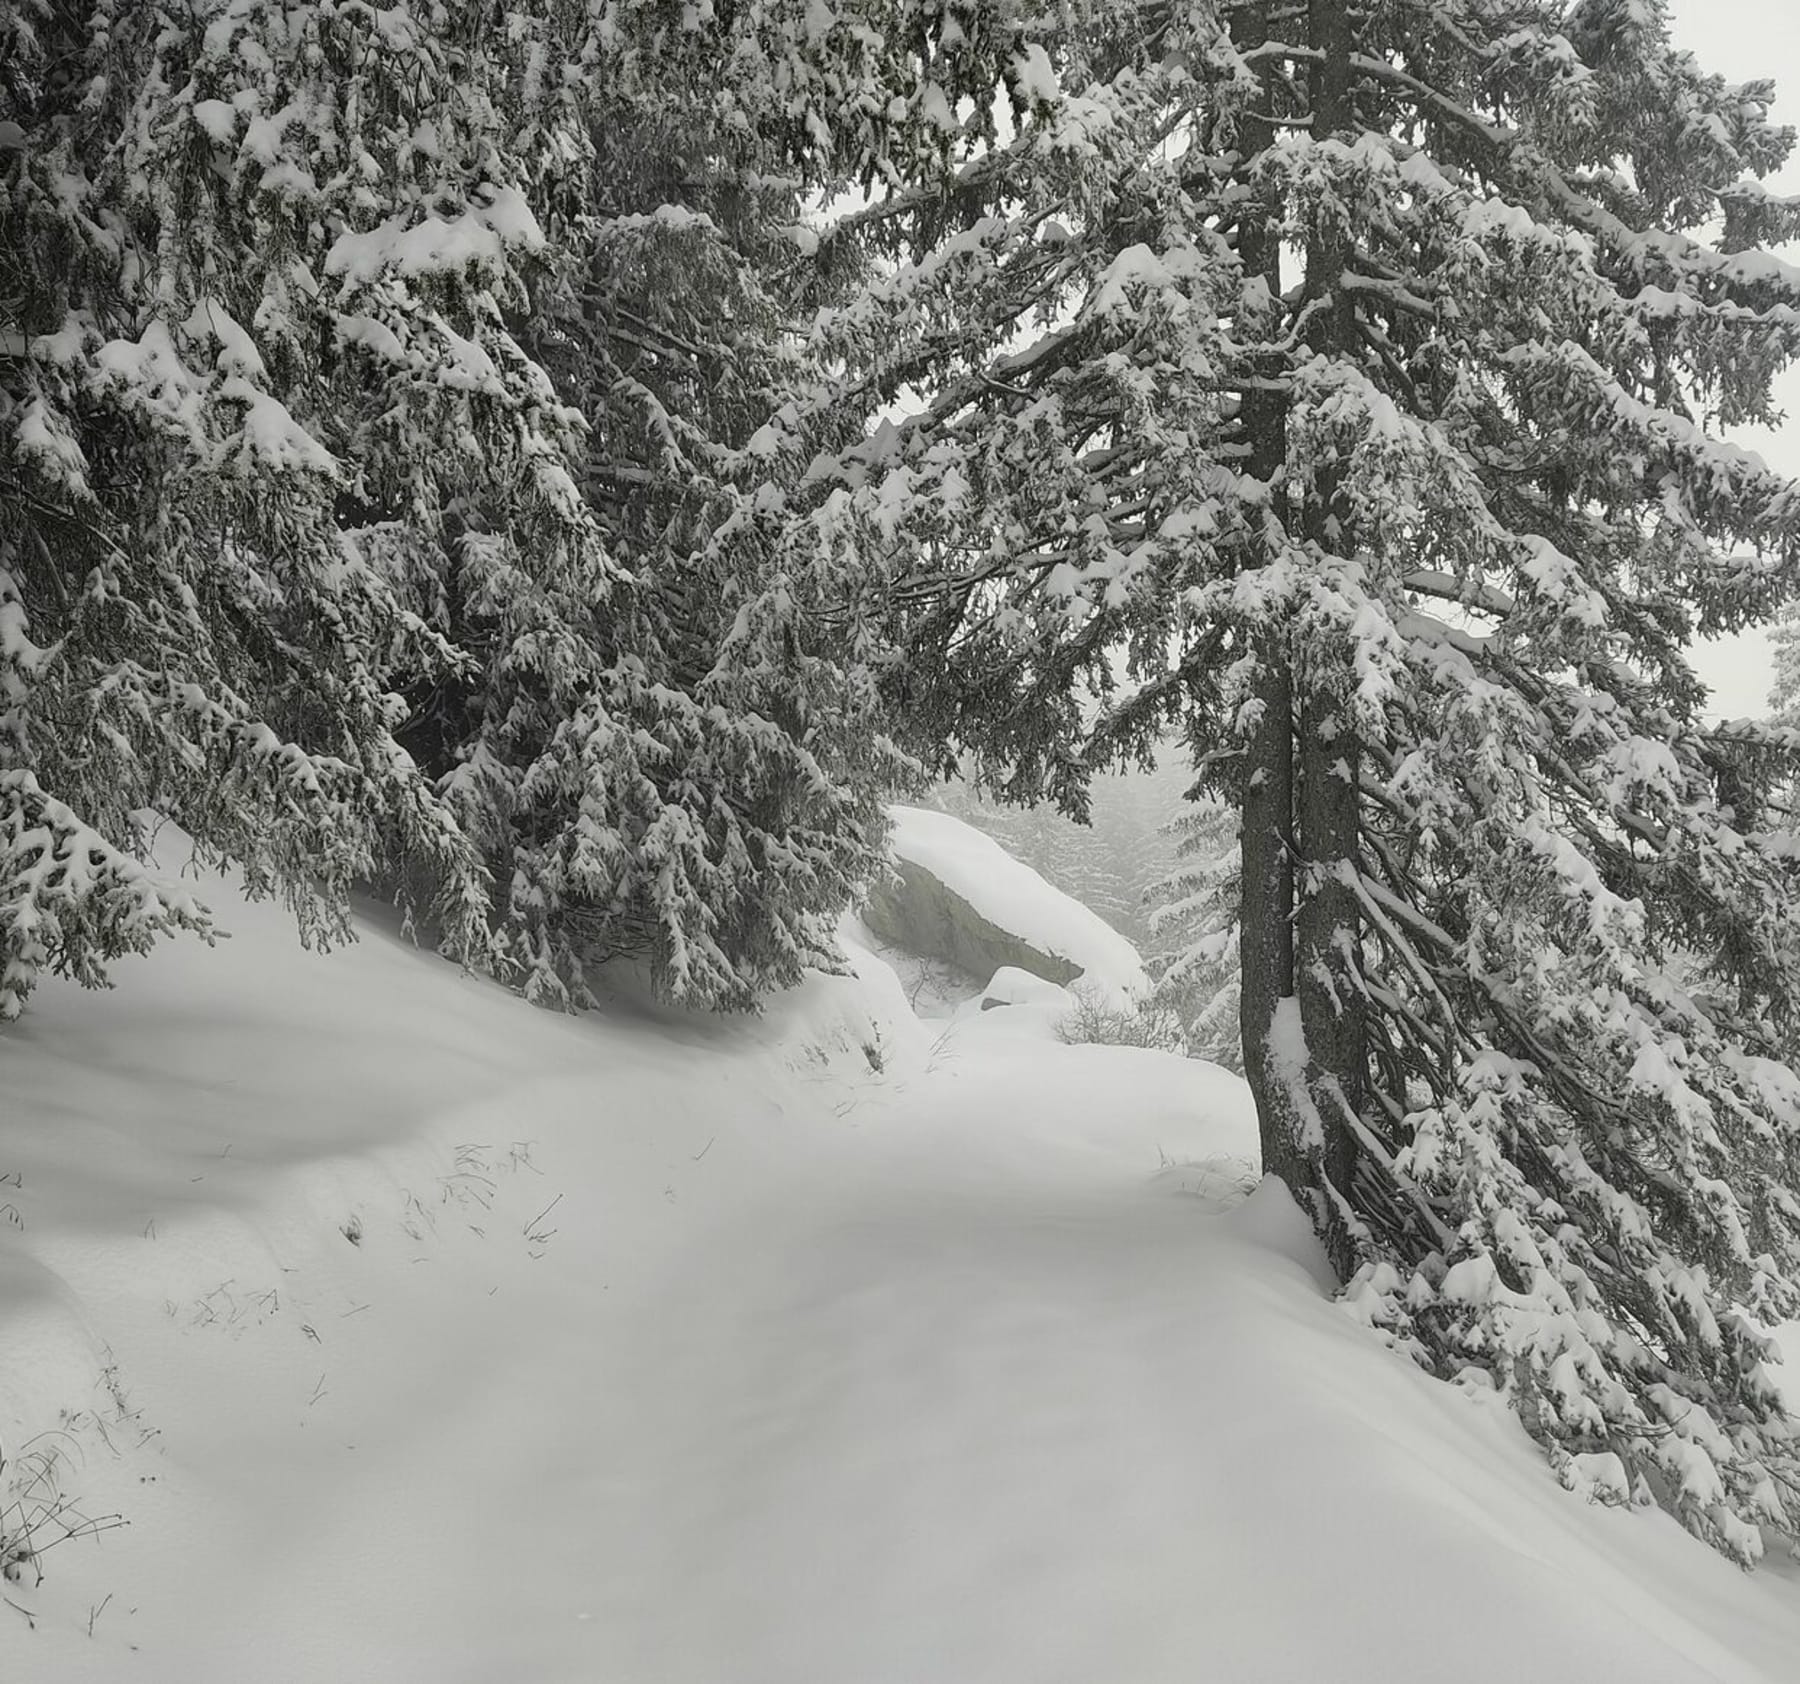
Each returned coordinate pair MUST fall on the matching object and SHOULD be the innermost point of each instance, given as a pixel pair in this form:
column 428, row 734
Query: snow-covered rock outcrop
column 962, row 898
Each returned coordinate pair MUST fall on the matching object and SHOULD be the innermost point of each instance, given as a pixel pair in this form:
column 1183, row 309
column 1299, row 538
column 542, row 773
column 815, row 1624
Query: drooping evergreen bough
column 383, row 477
column 1343, row 386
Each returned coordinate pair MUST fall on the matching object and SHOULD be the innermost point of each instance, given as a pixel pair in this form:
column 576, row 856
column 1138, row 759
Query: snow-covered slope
column 1013, row 897
column 422, row 1336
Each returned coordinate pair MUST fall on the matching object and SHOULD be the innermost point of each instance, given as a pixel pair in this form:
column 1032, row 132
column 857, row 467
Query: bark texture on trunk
column 1299, row 936
column 1266, row 914
column 1328, row 919
column 1327, row 929
column 1266, row 920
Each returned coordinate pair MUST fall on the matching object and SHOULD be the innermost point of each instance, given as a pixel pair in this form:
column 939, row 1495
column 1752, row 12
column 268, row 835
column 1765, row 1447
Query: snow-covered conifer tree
column 387, row 482
column 1356, row 371
column 733, row 813
column 256, row 382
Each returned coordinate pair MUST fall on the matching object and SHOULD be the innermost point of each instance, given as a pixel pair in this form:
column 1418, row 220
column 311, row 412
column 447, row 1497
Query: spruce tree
column 260, row 261
column 391, row 468
column 1352, row 376
column 706, row 790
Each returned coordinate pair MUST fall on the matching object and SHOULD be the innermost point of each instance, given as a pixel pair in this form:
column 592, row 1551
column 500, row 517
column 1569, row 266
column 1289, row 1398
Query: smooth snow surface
column 424, row 1336
column 1010, row 895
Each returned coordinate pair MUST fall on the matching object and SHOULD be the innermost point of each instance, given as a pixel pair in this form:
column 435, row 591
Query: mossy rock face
column 917, row 911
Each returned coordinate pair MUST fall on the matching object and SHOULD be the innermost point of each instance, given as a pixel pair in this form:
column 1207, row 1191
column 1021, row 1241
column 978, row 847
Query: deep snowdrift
column 424, row 1336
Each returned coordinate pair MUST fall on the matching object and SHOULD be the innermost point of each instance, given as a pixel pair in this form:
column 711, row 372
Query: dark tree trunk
column 1266, row 914
column 1328, row 919
column 1300, row 925
column 1266, row 917
column 1327, row 940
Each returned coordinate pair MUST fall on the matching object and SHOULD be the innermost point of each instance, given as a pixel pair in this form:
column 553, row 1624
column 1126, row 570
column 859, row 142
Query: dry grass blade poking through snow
column 37, row 1512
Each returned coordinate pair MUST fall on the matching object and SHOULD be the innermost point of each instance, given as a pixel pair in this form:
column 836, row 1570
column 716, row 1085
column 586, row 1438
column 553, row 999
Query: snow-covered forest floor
column 422, row 1335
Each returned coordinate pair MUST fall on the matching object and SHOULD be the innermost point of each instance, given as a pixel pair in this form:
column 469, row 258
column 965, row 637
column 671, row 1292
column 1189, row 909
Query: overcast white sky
column 1744, row 39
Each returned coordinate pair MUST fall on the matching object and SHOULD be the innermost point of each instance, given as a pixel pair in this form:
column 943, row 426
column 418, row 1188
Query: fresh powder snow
column 421, row 1335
